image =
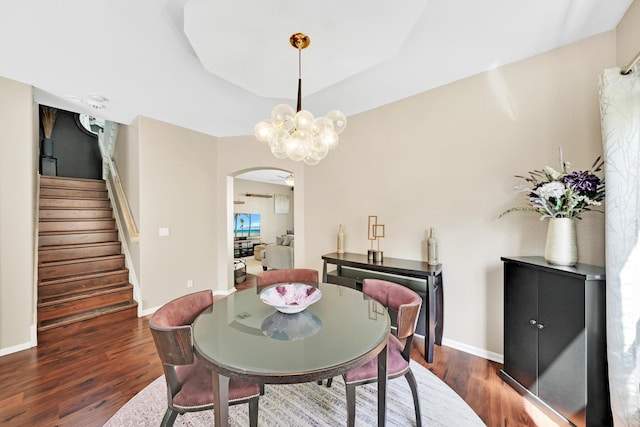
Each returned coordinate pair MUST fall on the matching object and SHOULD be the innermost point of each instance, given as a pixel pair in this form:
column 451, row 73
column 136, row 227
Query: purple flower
column 583, row 182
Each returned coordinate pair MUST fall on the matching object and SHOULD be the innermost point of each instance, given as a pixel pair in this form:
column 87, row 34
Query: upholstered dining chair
column 288, row 275
column 189, row 384
column 405, row 305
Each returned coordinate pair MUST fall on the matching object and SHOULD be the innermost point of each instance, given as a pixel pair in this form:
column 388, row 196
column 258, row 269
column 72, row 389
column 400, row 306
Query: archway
column 262, row 212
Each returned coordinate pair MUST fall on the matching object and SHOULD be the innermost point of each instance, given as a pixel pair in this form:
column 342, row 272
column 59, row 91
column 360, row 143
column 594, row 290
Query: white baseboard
column 480, row 352
column 16, row 348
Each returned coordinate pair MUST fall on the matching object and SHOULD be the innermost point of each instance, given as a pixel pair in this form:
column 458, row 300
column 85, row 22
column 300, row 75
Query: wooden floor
column 84, row 379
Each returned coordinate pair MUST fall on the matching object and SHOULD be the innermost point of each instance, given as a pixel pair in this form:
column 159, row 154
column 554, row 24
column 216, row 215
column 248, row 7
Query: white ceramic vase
column 562, row 246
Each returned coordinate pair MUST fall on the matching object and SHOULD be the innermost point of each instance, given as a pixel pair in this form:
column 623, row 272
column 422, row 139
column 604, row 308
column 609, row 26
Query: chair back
column 398, row 299
column 171, row 327
column 288, row 275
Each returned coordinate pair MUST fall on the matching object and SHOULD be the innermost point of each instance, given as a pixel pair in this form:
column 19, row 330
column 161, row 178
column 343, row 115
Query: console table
column 424, row 279
column 243, row 248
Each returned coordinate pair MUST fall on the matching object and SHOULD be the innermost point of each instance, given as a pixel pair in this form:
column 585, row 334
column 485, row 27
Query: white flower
column 552, row 189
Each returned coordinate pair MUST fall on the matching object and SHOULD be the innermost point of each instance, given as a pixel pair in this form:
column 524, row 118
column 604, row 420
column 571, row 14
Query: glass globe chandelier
column 298, row 135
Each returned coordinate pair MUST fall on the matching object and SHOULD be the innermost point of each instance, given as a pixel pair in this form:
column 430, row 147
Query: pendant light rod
column 299, row 41
column 299, row 105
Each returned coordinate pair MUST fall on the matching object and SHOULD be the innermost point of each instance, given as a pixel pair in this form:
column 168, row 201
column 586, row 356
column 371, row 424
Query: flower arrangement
column 562, row 194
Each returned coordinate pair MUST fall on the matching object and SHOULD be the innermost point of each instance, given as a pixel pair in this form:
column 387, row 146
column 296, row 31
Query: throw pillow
column 279, row 240
column 287, row 240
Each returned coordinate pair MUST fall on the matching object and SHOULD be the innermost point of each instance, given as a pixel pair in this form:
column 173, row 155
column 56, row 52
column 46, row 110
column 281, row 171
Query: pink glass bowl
column 291, row 298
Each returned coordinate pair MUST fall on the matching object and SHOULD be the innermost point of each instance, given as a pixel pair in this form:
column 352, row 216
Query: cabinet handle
column 532, row 322
column 540, row 326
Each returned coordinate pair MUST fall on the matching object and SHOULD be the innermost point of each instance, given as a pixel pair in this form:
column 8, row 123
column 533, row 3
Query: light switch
column 163, row 231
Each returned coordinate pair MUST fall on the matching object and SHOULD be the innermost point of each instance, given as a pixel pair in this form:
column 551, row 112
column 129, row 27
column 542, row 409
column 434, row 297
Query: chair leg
column 351, row 404
column 411, row 379
column 169, row 418
column 253, row 412
column 261, row 389
column 329, row 382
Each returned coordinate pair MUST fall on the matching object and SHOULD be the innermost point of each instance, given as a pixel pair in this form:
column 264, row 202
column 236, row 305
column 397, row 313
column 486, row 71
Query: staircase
column 82, row 279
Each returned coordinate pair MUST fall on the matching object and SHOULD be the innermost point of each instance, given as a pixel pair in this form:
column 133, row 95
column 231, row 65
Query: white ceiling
column 219, row 67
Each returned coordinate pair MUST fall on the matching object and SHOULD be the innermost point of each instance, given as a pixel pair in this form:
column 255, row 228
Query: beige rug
column 310, row 404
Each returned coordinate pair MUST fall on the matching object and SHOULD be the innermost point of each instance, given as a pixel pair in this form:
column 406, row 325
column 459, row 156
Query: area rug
column 310, row 404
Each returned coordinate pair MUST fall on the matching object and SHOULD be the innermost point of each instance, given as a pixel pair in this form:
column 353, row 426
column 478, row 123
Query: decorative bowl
column 291, row 297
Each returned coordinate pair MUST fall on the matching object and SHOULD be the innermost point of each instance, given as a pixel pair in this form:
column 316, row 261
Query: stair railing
column 106, row 141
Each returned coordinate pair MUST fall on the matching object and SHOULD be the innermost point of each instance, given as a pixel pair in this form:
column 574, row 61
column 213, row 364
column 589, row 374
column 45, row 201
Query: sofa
column 280, row 255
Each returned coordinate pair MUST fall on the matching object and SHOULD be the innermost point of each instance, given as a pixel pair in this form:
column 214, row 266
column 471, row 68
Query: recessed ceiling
column 219, row 67
column 258, row 57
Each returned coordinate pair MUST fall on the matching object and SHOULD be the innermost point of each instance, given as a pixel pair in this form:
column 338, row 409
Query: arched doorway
column 263, row 212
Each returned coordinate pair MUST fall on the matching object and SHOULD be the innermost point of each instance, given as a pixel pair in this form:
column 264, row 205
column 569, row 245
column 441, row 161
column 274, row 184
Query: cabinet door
column 520, row 335
column 562, row 344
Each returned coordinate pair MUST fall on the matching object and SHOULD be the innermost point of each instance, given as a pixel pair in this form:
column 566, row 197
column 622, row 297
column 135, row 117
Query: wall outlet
column 163, row 231
column 189, row 283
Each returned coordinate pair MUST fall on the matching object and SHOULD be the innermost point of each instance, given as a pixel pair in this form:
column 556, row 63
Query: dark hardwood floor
column 84, row 378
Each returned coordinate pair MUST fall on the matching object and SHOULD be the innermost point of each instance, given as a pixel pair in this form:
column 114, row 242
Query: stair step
column 68, row 285
column 60, row 269
column 79, row 303
column 68, row 252
column 77, row 202
column 72, row 192
column 64, row 182
column 52, row 238
column 82, row 279
column 123, row 309
column 75, row 213
column 77, row 224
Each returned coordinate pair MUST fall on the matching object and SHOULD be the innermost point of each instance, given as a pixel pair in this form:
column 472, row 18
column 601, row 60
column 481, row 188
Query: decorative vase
column 561, row 247
column 340, row 240
column 47, row 147
column 432, row 249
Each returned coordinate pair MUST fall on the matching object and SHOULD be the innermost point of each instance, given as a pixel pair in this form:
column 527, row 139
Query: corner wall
column 18, row 180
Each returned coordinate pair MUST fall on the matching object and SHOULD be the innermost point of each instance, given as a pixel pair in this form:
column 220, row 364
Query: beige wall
column 177, row 191
column 628, row 35
column 18, row 177
column 447, row 159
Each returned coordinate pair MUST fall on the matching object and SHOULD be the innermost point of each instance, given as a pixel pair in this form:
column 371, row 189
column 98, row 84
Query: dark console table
column 421, row 277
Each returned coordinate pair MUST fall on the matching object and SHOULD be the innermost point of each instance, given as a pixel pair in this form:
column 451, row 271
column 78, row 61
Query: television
column 246, row 225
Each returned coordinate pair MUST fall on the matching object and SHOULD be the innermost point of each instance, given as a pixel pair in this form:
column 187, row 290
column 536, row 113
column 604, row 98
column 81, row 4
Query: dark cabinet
column 555, row 340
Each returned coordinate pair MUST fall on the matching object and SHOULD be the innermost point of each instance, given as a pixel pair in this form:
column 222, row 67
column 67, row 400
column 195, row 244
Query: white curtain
column 620, row 115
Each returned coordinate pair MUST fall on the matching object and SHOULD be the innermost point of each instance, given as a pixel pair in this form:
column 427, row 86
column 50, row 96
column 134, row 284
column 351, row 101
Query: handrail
column 125, row 210
column 106, row 142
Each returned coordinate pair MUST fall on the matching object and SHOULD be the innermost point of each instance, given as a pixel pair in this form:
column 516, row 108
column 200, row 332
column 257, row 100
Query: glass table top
column 242, row 334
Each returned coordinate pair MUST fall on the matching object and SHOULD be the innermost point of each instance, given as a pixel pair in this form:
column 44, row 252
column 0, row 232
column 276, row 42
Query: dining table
column 241, row 336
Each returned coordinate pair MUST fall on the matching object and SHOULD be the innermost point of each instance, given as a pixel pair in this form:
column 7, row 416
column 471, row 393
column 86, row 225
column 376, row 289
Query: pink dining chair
column 405, row 305
column 189, row 384
column 288, row 275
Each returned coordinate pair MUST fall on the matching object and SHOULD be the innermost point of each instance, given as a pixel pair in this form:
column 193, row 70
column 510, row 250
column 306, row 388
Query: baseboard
column 15, row 348
column 480, row 352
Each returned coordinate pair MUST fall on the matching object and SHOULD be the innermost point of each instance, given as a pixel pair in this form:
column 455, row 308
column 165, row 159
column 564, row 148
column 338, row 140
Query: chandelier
column 298, row 135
